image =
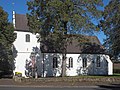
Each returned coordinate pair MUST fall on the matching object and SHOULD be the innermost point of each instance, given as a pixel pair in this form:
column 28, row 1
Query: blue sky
column 20, row 7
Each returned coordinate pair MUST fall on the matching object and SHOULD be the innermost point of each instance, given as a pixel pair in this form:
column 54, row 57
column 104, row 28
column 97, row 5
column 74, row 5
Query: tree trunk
column 63, row 74
column 64, row 51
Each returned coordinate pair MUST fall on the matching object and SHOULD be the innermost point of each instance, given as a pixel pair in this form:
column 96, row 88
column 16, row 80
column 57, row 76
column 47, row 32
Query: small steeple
column 13, row 15
column 13, row 18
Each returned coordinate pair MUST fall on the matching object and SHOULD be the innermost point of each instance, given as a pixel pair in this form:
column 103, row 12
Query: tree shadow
column 91, row 68
column 44, row 63
column 84, row 70
column 49, row 69
column 47, row 64
column 34, row 64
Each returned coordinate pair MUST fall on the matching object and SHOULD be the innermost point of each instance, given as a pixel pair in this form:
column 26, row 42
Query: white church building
column 48, row 63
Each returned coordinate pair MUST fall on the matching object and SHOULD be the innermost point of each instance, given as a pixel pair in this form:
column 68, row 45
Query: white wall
column 48, row 64
column 105, row 68
column 24, row 50
column 20, row 62
column 110, row 64
column 91, row 69
column 21, row 45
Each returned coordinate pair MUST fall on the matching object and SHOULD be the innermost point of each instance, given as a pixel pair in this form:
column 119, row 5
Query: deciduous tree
column 62, row 17
column 111, row 27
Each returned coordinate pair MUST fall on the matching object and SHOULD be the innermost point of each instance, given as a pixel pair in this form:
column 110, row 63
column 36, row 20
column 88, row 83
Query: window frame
column 55, row 62
column 70, row 62
column 98, row 62
column 27, row 37
column 84, row 62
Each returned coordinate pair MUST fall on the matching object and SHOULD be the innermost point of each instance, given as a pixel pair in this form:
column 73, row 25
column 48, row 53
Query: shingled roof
column 21, row 22
column 93, row 46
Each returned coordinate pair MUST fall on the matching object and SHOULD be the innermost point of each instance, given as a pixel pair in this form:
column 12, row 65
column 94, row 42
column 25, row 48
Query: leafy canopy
column 111, row 26
column 51, row 15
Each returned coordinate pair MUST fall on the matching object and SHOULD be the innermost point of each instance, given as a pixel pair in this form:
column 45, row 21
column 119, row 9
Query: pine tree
column 7, row 37
column 62, row 17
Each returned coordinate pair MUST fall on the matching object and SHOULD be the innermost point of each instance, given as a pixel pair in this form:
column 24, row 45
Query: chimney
column 13, row 18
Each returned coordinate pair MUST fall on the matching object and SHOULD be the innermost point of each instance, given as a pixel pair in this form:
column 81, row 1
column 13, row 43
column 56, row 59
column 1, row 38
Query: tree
column 7, row 37
column 111, row 27
column 57, row 18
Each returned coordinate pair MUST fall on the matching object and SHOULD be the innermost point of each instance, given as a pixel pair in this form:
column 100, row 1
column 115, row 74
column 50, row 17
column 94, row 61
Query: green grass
column 116, row 74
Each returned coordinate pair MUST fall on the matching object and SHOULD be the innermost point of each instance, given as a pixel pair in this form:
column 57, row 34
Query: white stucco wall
column 77, row 69
column 20, row 62
column 48, row 64
column 24, row 50
column 21, row 45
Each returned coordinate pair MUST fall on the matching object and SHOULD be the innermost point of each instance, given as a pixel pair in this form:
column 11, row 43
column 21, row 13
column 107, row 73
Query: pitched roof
column 93, row 46
column 76, row 47
column 21, row 22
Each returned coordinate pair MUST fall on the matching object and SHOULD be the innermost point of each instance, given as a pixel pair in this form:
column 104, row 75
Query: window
column 27, row 38
column 84, row 62
column 55, row 62
column 70, row 62
column 98, row 61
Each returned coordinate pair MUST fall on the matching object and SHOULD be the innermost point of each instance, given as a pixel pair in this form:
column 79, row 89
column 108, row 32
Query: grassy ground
column 73, row 81
column 116, row 74
column 65, row 81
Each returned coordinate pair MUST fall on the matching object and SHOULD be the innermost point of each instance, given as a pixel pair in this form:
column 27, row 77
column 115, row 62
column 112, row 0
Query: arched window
column 84, row 62
column 55, row 62
column 27, row 38
column 70, row 62
column 98, row 61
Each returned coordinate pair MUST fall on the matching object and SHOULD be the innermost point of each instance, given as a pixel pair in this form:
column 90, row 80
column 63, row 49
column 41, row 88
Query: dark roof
column 21, row 22
column 93, row 46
